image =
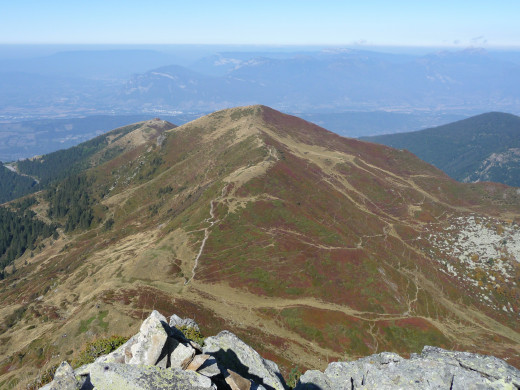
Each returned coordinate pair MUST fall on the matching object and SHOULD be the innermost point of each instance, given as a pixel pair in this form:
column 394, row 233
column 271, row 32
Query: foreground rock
column 160, row 357
column 434, row 368
column 233, row 353
column 64, row 379
column 150, row 340
column 128, row 377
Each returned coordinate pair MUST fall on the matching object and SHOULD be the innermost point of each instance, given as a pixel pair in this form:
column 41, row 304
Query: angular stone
column 195, row 346
column 150, row 340
column 371, row 373
column 64, row 378
column 210, row 368
column 164, row 358
column 314, row 379
column 112, row 376
column 236, row 382
column 197, row 362
column 182, row 356
column 233, row 353
column 177, row 322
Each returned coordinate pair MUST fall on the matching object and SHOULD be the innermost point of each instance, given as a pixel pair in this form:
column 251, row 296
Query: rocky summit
column 161, row 357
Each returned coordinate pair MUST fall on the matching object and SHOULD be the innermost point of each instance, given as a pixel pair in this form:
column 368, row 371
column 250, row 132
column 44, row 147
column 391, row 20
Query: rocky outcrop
column 161, row 357
column 434, row 368
column 234, row 354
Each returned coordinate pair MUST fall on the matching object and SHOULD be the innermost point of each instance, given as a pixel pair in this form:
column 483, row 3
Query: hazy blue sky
column 374, row 22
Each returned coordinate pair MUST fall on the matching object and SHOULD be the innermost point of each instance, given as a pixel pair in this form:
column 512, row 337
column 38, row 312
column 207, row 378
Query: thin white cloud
column 480, row 40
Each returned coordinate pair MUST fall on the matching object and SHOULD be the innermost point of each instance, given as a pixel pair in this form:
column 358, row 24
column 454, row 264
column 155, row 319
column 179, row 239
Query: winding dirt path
column 212, row 221
column 217, row 296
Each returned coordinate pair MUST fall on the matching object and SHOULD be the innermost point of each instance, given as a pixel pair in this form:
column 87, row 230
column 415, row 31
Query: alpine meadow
column 260, row 195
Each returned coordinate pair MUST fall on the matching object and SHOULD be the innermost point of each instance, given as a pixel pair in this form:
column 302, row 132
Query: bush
column 45, row 377
column 294, row 377
column 98, row 348
column 192, row 334
column 108, row 224
column 14, row 317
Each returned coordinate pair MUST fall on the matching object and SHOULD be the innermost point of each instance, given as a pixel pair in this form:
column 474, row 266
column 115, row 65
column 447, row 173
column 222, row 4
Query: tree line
column 70, row 206
column 20, row 231
column 13, row 185
column 72, row 200
column 58, row 165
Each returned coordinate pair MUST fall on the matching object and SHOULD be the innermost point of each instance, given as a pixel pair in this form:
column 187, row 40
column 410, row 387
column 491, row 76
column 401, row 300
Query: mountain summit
column 322, row 247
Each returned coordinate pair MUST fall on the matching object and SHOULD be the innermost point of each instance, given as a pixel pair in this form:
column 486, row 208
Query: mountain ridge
column 295, row 238
column 56, row 165
column 462, row 149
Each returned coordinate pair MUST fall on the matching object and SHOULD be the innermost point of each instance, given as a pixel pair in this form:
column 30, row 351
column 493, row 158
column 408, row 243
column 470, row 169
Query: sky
column 457, row 23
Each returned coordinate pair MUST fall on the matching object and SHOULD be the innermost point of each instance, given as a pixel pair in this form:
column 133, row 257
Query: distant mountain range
column 485, row 147
column 310, row 246
column 325, row 81
column 332, row 81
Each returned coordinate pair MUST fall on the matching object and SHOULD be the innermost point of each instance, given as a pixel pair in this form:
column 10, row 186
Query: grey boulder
column 178, row 322
column 314, row 380
column 182, row 356
column 151, row 339
column 232, row 353
column 64, row 379
column 210, row 368
column 434, row 368
column 488, row 366
column 114, row 376
column 197, row 362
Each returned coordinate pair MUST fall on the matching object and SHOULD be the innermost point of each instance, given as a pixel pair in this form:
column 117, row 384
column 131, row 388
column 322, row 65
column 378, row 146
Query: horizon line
column 258, row 44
